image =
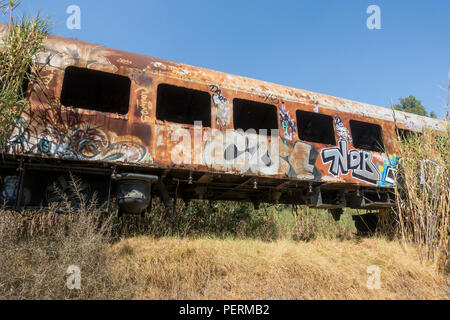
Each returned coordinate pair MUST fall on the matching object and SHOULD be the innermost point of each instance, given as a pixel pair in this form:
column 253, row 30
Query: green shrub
column 22, row 42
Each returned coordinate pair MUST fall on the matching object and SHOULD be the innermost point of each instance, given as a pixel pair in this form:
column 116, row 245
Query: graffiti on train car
column 342, row 130
column 249, row 152
column 388, row 169
column 343, row 161
column 287, row 123
column 140, row 77
column 360, row 163
column 10, row 186
column 80, row 143
column 242, row 151
column 270, row 98
column 144, row 103
column 61, row 54
column 298, row 160
column 221, row 107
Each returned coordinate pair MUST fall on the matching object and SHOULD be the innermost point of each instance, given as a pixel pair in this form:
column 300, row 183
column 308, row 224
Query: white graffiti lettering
column 358, row 162
column 243, row 151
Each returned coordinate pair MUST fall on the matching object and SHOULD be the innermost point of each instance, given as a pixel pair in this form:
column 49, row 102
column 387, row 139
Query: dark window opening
column 95, row 90
column 404, row 134
column 248, row 114
column 366, row 136
column 315, row 127
column 183, row 105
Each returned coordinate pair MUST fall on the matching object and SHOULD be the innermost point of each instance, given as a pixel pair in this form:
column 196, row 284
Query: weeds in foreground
column 423, row 194
column 36, row 248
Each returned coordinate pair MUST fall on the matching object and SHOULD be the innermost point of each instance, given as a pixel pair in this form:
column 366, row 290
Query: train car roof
column 186, row 72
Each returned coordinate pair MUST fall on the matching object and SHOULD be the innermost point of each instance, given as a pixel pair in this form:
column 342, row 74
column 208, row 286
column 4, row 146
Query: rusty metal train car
column 133, row 127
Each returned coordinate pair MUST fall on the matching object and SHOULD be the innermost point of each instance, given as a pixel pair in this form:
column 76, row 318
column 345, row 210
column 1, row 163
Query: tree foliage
column 413, row 105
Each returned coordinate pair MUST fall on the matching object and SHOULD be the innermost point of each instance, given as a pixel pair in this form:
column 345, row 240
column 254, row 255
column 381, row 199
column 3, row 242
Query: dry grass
column 170, row 268
column 423, row 195
column 35, row 251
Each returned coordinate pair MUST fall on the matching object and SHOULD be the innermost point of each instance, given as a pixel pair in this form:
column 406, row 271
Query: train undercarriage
column 29, row 183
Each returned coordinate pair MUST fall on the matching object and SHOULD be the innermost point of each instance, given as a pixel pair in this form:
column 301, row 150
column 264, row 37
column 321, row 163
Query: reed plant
column 423, row 193
column 19, row 45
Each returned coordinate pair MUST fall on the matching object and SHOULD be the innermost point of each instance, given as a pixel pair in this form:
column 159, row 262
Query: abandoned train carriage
column 125, row 122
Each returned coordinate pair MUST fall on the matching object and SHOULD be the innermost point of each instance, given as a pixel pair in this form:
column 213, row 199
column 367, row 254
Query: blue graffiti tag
column 387, row 170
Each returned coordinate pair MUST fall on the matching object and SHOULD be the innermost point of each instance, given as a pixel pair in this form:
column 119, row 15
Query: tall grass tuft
column 423, row 192
column 37, row 248
column 22, row 42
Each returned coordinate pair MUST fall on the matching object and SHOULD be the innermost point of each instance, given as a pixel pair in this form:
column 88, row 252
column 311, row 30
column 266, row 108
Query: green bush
column 22, row 42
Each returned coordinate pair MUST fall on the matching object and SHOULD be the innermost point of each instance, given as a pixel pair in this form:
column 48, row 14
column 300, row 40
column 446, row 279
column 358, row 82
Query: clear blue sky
column 318, row 45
